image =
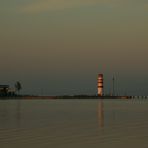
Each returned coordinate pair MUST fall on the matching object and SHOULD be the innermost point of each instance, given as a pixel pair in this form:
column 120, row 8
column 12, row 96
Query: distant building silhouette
column 5, row 90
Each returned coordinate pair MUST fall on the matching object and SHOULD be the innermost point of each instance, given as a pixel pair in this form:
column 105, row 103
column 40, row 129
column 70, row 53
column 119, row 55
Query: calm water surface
column 73, row 123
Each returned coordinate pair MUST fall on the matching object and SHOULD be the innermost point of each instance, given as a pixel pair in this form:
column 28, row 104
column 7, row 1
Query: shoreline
column 63, row 97
column 35, row 97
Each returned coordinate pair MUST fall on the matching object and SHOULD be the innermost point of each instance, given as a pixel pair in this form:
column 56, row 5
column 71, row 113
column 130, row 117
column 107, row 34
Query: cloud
column 146, row 7
column 51, row 5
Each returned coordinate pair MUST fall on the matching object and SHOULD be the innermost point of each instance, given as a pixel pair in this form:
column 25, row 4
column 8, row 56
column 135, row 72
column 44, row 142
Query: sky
column 58, row 47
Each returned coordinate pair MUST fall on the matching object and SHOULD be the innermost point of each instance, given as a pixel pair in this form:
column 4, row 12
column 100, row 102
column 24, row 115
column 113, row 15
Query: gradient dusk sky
column 57, row 47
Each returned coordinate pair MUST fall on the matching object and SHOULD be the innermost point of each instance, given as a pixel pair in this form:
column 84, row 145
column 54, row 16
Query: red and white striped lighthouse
column 100, row 84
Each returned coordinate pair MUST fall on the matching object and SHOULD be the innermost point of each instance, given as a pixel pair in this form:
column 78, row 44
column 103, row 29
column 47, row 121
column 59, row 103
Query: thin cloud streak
column 53, row 5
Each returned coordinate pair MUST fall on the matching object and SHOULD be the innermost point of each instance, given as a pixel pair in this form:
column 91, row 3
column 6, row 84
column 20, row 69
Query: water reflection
column 10, row 113
column 73, row 123
column 18, row 113
column 101, row 113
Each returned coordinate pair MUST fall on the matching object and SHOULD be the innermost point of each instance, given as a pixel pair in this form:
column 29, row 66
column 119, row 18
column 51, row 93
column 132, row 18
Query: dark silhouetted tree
column 18, row 86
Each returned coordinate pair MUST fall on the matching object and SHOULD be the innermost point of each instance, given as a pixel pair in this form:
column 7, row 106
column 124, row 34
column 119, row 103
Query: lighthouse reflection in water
column 101, row 113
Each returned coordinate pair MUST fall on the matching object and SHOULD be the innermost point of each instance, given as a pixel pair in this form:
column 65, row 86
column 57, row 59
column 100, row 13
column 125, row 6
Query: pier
column 138, row 97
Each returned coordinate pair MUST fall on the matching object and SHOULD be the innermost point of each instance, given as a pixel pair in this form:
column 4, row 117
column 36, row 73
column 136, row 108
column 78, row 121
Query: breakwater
column 73, row 97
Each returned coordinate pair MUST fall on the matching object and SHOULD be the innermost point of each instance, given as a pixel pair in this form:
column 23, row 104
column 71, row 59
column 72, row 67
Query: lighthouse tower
column 100, row 84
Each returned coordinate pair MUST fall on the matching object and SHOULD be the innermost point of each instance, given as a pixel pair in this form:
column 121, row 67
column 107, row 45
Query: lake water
column 74, row 123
